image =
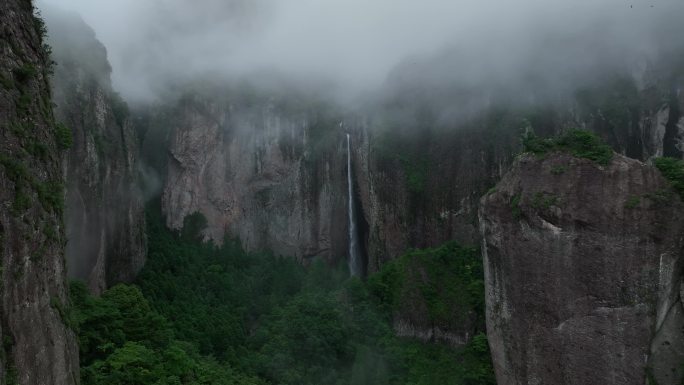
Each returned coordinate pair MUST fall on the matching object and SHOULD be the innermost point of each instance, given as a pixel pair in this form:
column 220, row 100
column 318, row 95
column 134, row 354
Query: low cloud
column 357, row 44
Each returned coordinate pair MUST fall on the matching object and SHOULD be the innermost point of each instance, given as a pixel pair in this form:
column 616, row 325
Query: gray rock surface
column 256, row 173
column 38, row 348
column 418, row 178
column 582, row 267
column 105, row 217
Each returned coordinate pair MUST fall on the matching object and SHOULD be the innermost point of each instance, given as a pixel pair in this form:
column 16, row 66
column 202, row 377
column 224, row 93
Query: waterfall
column 354, row 255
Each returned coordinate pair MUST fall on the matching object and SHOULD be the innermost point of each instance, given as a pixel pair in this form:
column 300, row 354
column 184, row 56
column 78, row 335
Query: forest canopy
column 203, row 314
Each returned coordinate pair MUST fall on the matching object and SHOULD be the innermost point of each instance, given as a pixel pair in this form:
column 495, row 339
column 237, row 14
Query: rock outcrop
column 583, row 268
column 105, row 211
column 38, row 348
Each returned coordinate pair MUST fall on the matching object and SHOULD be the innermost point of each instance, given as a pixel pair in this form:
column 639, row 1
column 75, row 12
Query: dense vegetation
column 673, row 170
column 202, row 314
column 443, row 287
column 579, row 143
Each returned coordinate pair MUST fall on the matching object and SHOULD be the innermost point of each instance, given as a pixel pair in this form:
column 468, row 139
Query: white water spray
column 354, row 257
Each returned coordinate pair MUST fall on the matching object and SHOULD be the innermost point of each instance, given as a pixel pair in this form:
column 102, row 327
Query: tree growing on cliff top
column 579, row 143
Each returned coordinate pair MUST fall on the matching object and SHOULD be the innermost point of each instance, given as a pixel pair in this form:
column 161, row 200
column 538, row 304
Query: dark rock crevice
column 672, row 140
column 361, row 222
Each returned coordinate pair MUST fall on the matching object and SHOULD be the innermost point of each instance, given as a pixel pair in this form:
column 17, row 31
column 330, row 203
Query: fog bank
column 356, row 44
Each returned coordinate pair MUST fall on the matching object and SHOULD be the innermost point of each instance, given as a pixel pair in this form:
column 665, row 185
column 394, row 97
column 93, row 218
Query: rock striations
column 260, row 173
column 38, row 348
column 105, row 212
column 583, row 268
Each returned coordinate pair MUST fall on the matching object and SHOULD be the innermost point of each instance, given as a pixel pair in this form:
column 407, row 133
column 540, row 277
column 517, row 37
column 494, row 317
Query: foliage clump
column 633, row 202
column 63, row 136
column 579, row 143
column 25, row 73
column 544, row 200
column 559, row 170
column 123, row 340
column 37, row 149
column 673, row 170
column 6, row 82
column 50, row 193
column 448, row 280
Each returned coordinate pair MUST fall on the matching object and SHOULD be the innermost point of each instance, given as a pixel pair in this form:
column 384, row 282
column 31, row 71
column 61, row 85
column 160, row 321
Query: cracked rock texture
column 583, row 268
column 38, row 348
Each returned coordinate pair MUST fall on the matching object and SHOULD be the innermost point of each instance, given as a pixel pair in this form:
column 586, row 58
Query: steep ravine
column 582, row 261
column 38, row 348
column 583, row 268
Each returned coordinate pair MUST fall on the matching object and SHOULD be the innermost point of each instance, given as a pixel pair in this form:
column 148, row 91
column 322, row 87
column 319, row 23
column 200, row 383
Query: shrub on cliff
column 579, row 143
column 63, row 136
column 673, row 170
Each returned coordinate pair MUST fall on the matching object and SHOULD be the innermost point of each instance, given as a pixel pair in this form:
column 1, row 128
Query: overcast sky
column 354, row 43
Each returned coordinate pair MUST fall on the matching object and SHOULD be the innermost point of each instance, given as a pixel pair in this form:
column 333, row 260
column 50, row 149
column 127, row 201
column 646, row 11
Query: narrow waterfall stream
column 354, row 255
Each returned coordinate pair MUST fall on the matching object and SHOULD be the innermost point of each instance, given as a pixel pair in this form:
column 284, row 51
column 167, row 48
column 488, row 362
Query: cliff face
column 273, row 177
column 105, row 211
column 276, row 178
column 37, row 347
column 421, row 189
column 639, row 116
column 418, row 175
column 583, row 266
column 421, row 176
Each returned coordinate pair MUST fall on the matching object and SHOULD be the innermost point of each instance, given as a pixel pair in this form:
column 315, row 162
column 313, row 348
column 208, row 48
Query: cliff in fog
column 269, row 174
column 105, row 220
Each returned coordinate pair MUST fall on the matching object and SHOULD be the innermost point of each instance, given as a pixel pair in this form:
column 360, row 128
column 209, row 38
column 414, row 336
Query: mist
column 354, row 46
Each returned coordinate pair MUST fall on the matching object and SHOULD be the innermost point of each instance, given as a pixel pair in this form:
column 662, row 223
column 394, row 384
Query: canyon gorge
column 581, row 254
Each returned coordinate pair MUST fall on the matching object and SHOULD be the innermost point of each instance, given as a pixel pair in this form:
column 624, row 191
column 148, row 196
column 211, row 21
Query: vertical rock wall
column 105, row 211
column 418, row 176
column 273, row 178
column 583, row 266
column 38, row 348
